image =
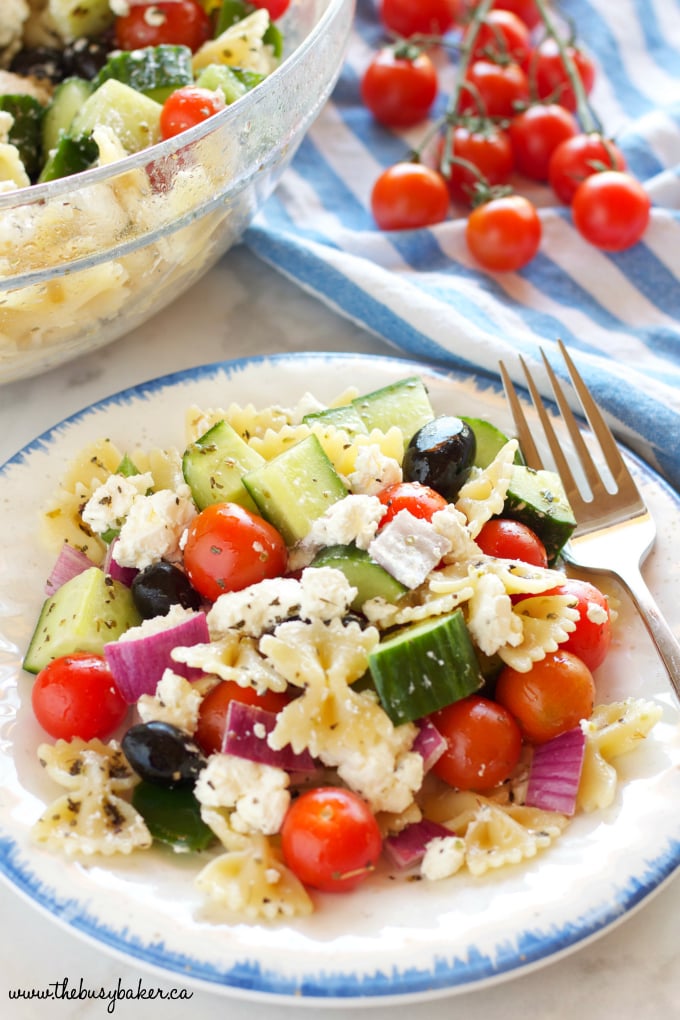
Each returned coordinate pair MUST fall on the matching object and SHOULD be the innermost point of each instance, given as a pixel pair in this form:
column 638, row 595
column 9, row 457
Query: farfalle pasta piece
column 611, row 731
column 233, row 657
column 547, row 621
column 444, row 591
column 91, row 818
column 346, row 729
column 253, row 882
column 483, row 495
column 499, row 835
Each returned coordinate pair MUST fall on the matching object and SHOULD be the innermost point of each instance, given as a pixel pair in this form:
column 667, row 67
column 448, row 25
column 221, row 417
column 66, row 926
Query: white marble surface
column 243, row 308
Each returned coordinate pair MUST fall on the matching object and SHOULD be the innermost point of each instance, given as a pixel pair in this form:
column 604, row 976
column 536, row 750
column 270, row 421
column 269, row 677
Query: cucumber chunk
column 156, row 71
column 66, row 101
column 404, row 404
column 425, row 667
column 221, row 78
column 490, row 441
column 82, row 616
column 346, row 417
column 214, row 464
column 538, row 499
column 71, row 156
column 363, row 573
column 295, row 488
column 133, row 117
column 26, row 131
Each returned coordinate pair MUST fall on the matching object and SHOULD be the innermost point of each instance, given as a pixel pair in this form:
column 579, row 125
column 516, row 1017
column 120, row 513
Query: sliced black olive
column 440, row 455
column 161, row 753
column 84, row 58
column 159, row 587
column 41, row 62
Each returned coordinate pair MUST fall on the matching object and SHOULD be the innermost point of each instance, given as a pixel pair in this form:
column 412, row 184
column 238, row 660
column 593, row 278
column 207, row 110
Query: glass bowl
column 86, row 259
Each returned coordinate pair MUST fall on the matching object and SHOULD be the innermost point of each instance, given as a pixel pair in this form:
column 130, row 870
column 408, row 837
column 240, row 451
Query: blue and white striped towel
column 422, row 292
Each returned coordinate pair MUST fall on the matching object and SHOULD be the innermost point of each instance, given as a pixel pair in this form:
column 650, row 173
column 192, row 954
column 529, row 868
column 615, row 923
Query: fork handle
column 662, row 635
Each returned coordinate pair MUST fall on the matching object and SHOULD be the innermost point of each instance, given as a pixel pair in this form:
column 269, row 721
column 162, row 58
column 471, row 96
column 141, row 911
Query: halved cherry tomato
column 75, row 696
column 484, row 743
column 486, row 147
column 535, row 134
column 494, row 90
column 504, row 234
column 611, row 210
column 592, row 637
column 579, row 157
column 330, row 839
column 551, row 698
column 188, row 106
column 212, row 713
column 420, row 500
column 425, row 17
column 550, row 78
column 398, row 87
column 407, row 196
column 229, row 548
column 512, row 540
column 178, row 22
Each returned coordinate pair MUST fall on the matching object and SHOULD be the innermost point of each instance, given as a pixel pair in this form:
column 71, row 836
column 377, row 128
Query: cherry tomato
column 399, row 89
column 487, row 148
column 330, row 839
column 502, row 36
column 408, row 196
column 579, row 157
column 592, row 637
column 426, row 17
column 188, row 106
column 420, row 500
column 611, row 210
column 526, row 10
column 551, row 698
column 276, row 8
column 535, row 134
column 75, row 696
column 496, row 90
column 504, row 234
column 549, row 76
column 178, row 22
column 212, row 713
column 512, row 540
column 484, row 743
column 229, row 548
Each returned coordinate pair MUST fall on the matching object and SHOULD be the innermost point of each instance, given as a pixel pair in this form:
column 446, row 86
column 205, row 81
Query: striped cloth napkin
column 422, row 292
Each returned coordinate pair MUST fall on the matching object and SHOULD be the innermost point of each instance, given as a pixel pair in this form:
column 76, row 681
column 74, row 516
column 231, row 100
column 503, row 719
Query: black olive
column 159, row 587
column 440, row 455
column 161, row 753
column 42, row 62
column 84, row 58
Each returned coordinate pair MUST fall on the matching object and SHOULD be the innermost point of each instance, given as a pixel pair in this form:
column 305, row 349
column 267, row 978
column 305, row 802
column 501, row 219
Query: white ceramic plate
column 391, row 940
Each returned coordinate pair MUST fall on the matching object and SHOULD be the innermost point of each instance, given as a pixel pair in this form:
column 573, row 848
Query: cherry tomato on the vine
column 484, row 148
column 188, row 106
column 550, row 698
column 549, row 75
column 512, row 540
column 611, row 210
column 483, row 743
column 535, row 134
column 76, row 696
column 524, row 9
column 330, row 839
column 592, row 637
column 426, row 17
column 276, row 8
column 409, row 195
column 493, row 90
column 399, row 87
column 229, row 548
column 504, row 234
column 420, row 500
column 212, row 714
column 502, row 36
column 579, row 157
column 177, row 22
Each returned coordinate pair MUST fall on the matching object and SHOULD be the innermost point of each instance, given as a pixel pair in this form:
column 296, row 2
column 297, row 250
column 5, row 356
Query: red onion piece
column 555, row 772
column 69, row 563
column 125, row 575
column 408, row 847
column 429, row 744
column 137, row 664
column 245, row 735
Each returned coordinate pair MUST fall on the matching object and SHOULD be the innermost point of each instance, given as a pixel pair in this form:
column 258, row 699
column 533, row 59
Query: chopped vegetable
column 245, row 735
column 555, row 772
column 408, row 847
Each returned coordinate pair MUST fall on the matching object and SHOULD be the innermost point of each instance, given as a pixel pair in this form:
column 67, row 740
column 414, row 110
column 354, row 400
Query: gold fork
column 615, row 530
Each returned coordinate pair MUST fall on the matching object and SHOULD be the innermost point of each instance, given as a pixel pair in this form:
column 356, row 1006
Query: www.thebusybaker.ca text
column 65, row 990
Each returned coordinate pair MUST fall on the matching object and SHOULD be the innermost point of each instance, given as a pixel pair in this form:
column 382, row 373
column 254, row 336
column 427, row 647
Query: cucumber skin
column 439, row 652
column 546, row 510
column 363, row 573
column 26, row 131
column 213, row 465
column 155, row 71
column 67, row 100
column 404, row 403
